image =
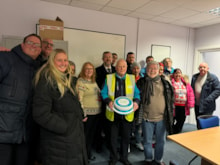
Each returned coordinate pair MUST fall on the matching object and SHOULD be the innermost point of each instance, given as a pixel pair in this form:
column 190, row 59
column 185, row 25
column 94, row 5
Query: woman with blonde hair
column 58, row 112
column 89, row 96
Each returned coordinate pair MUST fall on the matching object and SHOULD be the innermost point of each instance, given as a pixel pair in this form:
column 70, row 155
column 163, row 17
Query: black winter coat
column 16, row 73
column 62, row 133
column 169, row 100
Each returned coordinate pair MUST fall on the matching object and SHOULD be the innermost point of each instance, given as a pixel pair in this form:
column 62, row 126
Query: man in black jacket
column 17, row 68
column 101, row 72
column 47, row 48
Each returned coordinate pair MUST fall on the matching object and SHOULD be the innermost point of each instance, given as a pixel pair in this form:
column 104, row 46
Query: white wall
column 18, row 18
column 207, row 37
column 180, row 39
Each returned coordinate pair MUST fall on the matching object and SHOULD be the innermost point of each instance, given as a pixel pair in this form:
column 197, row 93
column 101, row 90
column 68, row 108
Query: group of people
column 50, row 116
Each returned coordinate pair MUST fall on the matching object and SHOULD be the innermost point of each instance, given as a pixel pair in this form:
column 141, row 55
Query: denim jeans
column 149, row 130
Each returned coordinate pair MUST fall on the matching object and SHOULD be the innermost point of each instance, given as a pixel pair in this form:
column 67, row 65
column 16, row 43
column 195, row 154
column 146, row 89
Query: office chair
column 206, row 121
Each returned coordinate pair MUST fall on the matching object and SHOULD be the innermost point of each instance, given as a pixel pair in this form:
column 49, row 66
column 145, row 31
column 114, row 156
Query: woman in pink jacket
column 184, row 99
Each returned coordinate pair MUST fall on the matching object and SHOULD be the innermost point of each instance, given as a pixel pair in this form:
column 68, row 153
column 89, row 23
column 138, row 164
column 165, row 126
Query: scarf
column 148, row 88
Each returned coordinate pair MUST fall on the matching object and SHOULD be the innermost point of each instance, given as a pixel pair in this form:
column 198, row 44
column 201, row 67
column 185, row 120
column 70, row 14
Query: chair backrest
column 207, row 121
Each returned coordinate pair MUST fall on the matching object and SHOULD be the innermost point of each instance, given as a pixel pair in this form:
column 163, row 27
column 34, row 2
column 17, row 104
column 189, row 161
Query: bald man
column 206, row 88
column 47, row 47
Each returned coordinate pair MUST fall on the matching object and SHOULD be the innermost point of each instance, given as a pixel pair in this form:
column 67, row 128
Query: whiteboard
column 84, row 46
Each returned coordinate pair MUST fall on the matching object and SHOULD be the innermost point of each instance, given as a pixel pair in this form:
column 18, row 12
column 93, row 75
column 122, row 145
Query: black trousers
column 90, row 130
column 179, row 119
column 121, row 125
column 102, row 127
column 14, row 154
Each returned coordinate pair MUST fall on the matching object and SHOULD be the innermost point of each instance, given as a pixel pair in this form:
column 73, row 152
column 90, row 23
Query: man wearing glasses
column 17, row 68
column 47, row 47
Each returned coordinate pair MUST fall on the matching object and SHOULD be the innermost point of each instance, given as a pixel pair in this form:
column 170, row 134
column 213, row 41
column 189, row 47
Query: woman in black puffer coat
column 57, row 110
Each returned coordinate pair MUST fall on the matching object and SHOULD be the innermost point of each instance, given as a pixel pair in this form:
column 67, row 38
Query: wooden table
column 205, row 143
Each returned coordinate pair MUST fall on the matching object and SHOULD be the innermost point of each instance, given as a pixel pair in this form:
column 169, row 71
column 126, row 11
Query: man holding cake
column 122, row 97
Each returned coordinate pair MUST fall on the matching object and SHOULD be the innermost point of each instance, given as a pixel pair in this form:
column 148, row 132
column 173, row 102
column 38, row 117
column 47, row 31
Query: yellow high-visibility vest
column 129, row 91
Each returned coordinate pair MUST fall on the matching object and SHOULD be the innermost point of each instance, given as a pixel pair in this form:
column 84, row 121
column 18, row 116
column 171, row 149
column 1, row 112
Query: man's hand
column 111, row 105
column 4, row 49
column 135, row 106
column 85, row 119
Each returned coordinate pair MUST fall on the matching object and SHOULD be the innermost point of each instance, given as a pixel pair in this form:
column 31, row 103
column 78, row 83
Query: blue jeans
column 149, row 130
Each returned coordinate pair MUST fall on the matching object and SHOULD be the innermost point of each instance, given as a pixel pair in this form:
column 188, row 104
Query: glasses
column 31, row 43
column 88, row 68
column 47, row 43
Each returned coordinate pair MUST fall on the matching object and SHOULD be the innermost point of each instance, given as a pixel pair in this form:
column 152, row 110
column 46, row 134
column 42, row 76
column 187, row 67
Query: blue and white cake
column 123, row 105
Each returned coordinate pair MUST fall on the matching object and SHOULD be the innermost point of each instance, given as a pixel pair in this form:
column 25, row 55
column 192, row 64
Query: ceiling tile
column 100, row 2
column 86, row 5
column 156, row 8
column 64, row 2
column 188, row 13
column 127, row 4
column 140, row 15
column 199, row 18
column 179, row 13
column 202, row 5
column 115, row 11
column 163, row 19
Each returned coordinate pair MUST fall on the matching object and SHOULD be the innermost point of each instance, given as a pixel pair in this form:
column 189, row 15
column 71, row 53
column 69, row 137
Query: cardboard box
column 51, row 29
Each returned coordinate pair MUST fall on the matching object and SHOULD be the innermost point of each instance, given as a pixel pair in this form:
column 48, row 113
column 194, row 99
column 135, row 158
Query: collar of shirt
column 120, row 76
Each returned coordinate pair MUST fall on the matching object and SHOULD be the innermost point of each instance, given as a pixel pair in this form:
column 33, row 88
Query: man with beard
column 101, row 72
column 47, row 47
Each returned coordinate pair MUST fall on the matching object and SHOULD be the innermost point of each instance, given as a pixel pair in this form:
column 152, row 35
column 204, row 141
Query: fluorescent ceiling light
column 215, row 11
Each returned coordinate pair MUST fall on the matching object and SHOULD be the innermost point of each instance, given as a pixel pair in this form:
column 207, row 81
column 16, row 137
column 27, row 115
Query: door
column 212, row 59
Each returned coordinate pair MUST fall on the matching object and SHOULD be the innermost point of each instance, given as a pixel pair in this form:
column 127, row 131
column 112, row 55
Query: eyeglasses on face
column 47, row 43
column 31, row 43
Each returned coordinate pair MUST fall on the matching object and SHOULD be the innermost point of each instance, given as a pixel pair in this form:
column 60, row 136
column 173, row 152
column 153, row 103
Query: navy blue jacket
column 210, row 92
column 16, row 73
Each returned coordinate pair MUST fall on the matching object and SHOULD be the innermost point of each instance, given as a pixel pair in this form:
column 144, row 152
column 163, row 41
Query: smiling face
column 61, row 62
column 89, row 70
column 152, row 69
column 203, row 69
column 32, row 47
column 47, row 47
column 121, row 67
column 107, row 59
column 177, row 74
column 136, row 71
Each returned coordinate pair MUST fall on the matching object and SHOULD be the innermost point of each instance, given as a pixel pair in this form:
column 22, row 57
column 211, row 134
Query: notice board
column 84, row 46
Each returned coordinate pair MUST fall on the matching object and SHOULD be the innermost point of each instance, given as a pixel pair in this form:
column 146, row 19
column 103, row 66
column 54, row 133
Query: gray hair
column 135, row 64
column 153, row 63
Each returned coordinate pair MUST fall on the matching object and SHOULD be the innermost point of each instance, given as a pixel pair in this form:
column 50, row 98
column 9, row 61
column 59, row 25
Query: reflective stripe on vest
column 129, row 91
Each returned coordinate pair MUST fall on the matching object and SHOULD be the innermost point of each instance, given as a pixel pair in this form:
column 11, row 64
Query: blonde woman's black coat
column 62, row 134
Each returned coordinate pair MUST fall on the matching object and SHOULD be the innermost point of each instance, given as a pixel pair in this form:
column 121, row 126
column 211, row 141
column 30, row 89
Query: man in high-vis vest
column 116, row 85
